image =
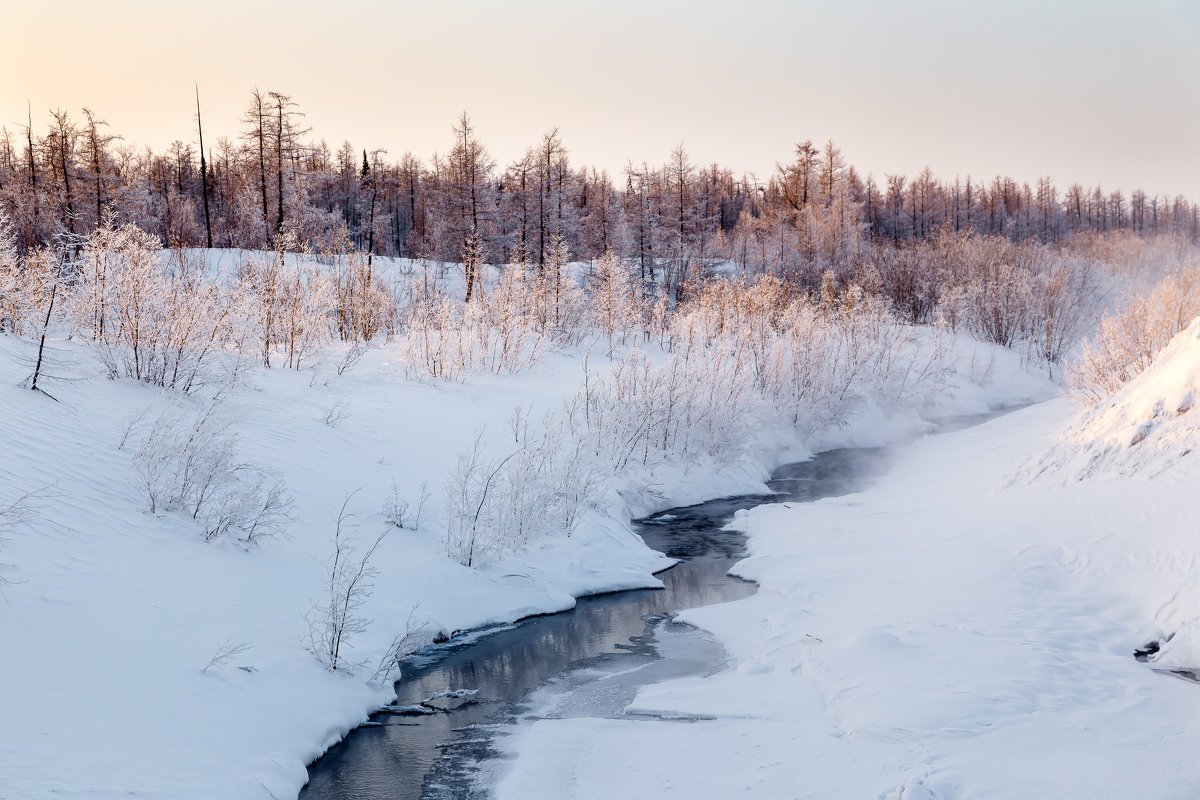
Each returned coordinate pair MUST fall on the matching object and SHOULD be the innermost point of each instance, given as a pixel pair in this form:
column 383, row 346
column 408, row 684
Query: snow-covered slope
column 941, row 636
column 1148, row 427
column 112, row 613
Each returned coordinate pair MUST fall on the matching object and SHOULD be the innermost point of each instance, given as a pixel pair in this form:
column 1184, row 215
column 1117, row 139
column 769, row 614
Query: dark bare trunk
column 203, row 173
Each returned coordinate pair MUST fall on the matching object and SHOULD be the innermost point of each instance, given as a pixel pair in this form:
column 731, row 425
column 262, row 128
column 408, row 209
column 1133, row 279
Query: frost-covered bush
column 1063, row 308
column 166, row 322
column 617, row 300
column 398, row 510
column 517, row 317
column 172, row 321
column 646, row 412
column 1015, row 294
column 284, row 302
column 741, row 354
column 335, row 620
column 1129, row 339
column 540, row 487
column 811, row 359
column 185, row 462
column 363, row 303
column 12, row 305
column 30, row 288
column 827, row 359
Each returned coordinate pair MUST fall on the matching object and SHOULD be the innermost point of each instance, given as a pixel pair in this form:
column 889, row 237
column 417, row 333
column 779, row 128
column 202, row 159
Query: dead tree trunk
column 203, row 172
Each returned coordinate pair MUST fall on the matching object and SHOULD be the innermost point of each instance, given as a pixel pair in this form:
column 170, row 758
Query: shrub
column 1129, row 339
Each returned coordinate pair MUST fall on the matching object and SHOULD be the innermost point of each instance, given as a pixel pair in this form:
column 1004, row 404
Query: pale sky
column 1083, row 91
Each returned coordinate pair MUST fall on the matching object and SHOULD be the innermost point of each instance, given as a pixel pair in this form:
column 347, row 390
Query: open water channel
column 590, row 660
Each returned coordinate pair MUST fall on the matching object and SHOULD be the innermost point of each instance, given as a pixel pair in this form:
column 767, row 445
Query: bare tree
column 255, row 121
column 470, row 167
column 37, row 369
column 95, row 150
column 203, row 173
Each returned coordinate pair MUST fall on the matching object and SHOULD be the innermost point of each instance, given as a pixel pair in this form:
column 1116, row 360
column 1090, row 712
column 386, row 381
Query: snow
column 948, row 633
column 1145, row 428
column 111, row 613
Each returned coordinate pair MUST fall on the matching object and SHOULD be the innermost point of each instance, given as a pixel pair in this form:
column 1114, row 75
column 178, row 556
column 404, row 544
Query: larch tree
column 95, row 153
column 256, row 131
column 63, row 138
column 285, row 136
column 410, row 179
column 679, row 216
column 470, row 169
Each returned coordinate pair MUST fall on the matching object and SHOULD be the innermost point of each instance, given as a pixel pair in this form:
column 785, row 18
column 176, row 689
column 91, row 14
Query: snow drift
column 1147, row 427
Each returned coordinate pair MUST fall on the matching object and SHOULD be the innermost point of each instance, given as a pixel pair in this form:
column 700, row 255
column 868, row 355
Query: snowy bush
column 337, row 618
column 163, row 323
column 395, row 508
column 745, row 353
column 363, row 303
column 470, row 537
column 286, row 303
column 1130, row 339
column 186, row 462
column 30, row 289
column 497, row 506
column 517, row 318
column 1063, row 308
column 398, row 511
column 617, row 300
column 645, row 412
column 1000, row 291
column 12, row 305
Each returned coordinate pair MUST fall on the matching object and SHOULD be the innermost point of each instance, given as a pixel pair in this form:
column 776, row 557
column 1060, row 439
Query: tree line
column 271, row 179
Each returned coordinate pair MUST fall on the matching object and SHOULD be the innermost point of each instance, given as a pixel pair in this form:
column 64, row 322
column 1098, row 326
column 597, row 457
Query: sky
column 1096, row 92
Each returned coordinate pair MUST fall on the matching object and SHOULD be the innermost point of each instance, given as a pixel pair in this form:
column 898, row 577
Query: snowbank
column 1148, row 427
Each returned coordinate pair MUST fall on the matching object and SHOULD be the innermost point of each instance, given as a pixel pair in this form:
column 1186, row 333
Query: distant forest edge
column 271, row 183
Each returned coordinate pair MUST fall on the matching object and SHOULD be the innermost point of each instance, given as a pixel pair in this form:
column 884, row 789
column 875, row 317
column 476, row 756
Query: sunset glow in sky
column 1091, row 92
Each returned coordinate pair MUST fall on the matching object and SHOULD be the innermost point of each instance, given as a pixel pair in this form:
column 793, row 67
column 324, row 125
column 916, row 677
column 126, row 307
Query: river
column 589, row 661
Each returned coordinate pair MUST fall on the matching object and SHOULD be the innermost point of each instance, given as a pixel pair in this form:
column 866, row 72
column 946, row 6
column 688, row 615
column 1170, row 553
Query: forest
column 245, row 189
column 85, row 211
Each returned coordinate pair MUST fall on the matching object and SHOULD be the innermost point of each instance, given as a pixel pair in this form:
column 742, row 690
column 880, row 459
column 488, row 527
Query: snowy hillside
column 1146, row 428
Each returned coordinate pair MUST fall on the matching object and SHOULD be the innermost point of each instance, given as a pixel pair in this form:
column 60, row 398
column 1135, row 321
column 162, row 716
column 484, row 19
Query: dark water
column 589, row 661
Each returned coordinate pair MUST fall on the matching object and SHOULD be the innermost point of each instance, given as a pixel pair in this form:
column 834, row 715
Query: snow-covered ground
column 1146, row 428
column 111, row 614
column 953, row 632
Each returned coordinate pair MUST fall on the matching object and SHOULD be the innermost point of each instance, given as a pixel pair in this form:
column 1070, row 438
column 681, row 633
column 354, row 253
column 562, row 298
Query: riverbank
column 948, row 633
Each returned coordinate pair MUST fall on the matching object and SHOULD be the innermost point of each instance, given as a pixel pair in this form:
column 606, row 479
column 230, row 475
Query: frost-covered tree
column 467, row 197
